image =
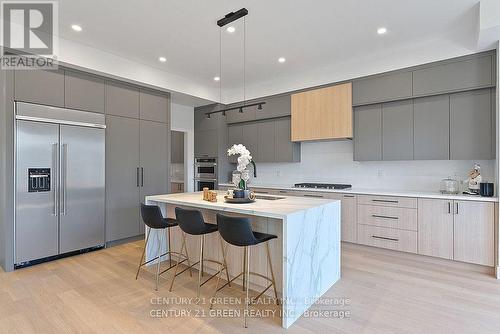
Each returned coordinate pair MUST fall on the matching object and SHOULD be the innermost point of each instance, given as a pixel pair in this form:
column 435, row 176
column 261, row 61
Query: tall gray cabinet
column 137, row 156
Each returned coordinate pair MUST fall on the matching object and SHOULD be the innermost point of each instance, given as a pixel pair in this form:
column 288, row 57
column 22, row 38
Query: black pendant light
column 231, row 17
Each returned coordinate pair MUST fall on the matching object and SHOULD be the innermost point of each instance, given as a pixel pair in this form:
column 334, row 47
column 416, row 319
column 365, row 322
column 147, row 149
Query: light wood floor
column 389, row 292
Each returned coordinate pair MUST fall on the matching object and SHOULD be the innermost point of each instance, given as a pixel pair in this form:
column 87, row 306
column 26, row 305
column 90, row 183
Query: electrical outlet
column 278, row 173
column 380, row 173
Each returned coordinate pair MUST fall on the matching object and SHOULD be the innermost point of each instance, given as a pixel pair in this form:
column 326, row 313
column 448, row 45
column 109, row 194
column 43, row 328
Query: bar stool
column 191, row 222
column 153, row 218
column 237, row 231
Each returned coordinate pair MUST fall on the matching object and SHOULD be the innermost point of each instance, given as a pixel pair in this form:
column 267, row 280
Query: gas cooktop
column 322, row 185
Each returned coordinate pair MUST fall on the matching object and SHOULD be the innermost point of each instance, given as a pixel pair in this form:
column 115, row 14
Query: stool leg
column 178, row 261
column 244, row 265
column 159, row 259
column 200, row 266
column 224, row 250
column 143, row 253
column 272, row 272
column 247, row 274
column 169, row 247
column 202, row 255
column 187, row 255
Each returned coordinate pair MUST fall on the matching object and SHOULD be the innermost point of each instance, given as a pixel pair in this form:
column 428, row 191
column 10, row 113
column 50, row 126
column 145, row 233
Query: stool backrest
column 190, row 221
column 152, row 217
column 236, row 230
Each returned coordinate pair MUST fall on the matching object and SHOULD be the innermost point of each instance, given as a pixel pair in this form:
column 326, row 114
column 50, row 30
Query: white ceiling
column 322, row 40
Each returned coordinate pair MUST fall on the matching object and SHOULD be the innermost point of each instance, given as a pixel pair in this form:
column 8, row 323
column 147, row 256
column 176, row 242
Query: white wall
column 332, row 162
column 182, row 118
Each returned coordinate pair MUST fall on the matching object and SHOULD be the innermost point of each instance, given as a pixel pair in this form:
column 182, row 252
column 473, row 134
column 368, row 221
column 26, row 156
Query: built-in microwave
column 205, row 168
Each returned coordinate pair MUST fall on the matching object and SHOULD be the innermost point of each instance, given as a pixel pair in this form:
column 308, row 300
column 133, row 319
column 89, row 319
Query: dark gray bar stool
column 153, row 218
column 237, row 231
column 191, row 222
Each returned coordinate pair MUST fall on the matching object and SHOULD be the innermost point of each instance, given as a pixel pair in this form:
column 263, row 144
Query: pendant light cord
column 220, row 67
column 244, row 59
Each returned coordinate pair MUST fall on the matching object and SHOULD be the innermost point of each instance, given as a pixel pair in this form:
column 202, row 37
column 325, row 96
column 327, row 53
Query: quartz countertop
column 380, row 192
column 279, row 208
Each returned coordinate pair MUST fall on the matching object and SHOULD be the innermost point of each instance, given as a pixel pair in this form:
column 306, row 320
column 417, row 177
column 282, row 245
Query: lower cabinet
column 435, row 227
column 458, row 230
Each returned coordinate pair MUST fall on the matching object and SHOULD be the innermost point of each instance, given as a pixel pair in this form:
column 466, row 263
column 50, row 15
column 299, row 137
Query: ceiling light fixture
column 231, row 17
column 381, row 30
column 282, row 59
column 76, row 27
column 162, row 59
column 231, row 29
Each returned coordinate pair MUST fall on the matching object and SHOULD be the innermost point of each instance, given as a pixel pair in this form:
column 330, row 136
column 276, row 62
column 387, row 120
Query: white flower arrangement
column 244, row 159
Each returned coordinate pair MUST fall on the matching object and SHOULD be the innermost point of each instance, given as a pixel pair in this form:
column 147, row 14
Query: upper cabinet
column 84, row 92
column 471, row 115
column 397, row 134
column 454, row 75
column 368, row 133
column 122, row 100
column 278, row 106
column 153, row 106
column 324, row 113
column 43, row 87
column 381, row 88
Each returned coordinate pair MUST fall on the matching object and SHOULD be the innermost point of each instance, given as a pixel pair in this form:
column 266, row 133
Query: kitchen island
column 306, row 254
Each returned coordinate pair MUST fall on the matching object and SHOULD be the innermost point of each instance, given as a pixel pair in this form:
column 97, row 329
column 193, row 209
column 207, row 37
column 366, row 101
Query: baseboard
column 124, row 241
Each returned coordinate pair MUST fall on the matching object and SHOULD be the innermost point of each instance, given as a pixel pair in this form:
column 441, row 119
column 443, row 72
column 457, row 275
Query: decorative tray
column 238, row 200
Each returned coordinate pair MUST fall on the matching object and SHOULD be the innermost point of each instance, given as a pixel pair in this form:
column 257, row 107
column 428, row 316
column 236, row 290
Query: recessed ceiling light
column 281, row 59
column 76, row 27
column 381, row 30
column 216, row 78
column 231, row 29
column 162, row 59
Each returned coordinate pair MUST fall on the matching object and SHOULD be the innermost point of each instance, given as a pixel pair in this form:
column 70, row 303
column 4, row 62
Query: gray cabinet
column 201, row 122
column 153, row 106
column 249, row 138
column 122, row 100
column 382, row 88
column 286, row 150
column 122, row 178
column 368, row 133
column 205, row 143
column 397, row 134
column 154, row 149
column 470, row 125
column 432, row 128
column 454, row 75
column 84, row 91
column 234, row 136
column 43, row 87
column 266, row 141
column 279, row 106
column 177, row 147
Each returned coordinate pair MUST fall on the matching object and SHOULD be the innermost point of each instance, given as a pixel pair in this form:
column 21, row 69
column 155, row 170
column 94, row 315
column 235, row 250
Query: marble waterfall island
column 306, row 255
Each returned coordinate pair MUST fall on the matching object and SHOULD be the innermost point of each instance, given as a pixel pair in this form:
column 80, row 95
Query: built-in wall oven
column 205, row 173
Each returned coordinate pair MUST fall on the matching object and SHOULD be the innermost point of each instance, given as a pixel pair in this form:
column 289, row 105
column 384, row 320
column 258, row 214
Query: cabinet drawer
column 401, row 240
column 381, row 216
column 402, row 202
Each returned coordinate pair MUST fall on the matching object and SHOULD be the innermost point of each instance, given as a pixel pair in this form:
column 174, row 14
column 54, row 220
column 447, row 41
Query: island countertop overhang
column 278, row 208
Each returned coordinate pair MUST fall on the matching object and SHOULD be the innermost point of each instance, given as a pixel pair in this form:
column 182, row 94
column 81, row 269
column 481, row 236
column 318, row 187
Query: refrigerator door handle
column 63, row 158
column 55, row 163
column 137, row 176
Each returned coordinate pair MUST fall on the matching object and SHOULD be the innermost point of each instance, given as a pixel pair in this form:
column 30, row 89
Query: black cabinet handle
column 385, row 238
column 449, row 207
column 349, row 196
column 142, row 176
column 384, row 201
column 385, row 217
column 137, row 176
column 310, row 195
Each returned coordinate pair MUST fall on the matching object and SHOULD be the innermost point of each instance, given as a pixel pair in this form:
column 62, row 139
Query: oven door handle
column 203, row 179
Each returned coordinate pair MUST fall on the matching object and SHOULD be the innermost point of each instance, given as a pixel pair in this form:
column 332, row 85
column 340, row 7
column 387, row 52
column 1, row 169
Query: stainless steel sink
column 268, row 198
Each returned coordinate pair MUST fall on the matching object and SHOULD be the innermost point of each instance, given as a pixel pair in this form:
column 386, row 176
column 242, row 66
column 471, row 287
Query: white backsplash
column 332, row 162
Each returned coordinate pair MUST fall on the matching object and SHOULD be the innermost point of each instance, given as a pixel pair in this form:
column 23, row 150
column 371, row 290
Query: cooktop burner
column 322, row 185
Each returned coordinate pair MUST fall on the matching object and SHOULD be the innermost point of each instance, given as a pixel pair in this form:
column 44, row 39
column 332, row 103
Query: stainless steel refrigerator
column 59, row 182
